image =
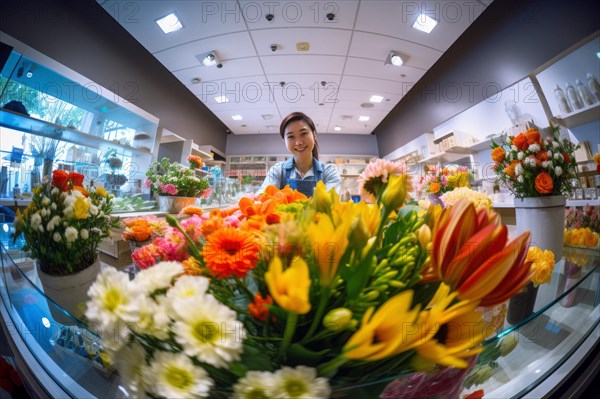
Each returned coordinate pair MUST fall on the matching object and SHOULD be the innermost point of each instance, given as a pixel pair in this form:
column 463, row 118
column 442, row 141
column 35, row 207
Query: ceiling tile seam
column 196, row 40
column 371, row 77
column 403, row 39
column 271, row 92
column 403, row 65
column 339, row 83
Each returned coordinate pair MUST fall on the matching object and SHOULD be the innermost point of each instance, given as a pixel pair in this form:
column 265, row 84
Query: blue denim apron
column 306, row 187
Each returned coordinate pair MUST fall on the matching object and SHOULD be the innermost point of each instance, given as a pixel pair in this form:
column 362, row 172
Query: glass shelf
column 71, row 355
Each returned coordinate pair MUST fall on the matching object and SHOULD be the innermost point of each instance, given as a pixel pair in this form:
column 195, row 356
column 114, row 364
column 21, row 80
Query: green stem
column 330, row 367
column 318, row 315
column 290, row 329
column 240, row 284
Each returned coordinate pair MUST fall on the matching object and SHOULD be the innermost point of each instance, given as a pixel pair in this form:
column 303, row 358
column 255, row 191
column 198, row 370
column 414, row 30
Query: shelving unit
column 582, row 116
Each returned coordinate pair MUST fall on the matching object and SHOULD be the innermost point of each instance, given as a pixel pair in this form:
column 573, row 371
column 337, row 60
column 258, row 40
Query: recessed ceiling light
column 376, row 99
column 395, row 59
column 267, row 117
column 221, row 99
column 425, row 23
column 169, row 23
column 337, row 128
column 367, row 105
column 363, row 118
column 598, row 54
column 196, row 80
column 237, row 117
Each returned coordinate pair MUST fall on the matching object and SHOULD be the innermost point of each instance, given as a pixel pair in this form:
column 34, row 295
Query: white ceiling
column 347, row 53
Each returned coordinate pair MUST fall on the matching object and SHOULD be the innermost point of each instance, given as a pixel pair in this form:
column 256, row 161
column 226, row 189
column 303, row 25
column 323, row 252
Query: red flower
column 60, row 180
column 258, row 308
column 566, row 157
column 76, row 178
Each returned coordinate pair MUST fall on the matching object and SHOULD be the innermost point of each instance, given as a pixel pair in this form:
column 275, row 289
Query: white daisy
column 159, row 276
column 173, row 375
column 210, row 332
column 256, row 384
column 71, row 234
column 154, row 318
column 113, row 299
column 300, row 383
column 130, row 361
column 36, row 220
column 189, row 286
column 558, row 171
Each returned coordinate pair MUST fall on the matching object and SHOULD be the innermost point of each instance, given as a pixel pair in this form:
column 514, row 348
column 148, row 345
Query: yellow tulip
column 289, row 288
column 396, row 191
column 390, row 330
column 329, row 243
column 322, row 200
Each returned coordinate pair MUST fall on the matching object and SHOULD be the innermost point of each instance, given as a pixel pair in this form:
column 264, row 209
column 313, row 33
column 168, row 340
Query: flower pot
column 521, row 305
column 544, row 217
column 68, row 292
column 172, row 204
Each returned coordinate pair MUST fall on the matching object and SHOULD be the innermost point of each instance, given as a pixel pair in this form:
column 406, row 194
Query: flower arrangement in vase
column 437, row 180
column 281, row 296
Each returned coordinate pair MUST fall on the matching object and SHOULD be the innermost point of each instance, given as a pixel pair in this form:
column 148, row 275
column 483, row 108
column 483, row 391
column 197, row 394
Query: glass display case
column 71, row 361
column 51, row 120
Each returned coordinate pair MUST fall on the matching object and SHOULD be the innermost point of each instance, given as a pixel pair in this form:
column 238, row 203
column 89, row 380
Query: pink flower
column 168, row 188
column 232, row 221
column 147, row 256
column 172, row 246
column 206, row 193
column 192, row 226
column 375, row 175
column 147, row 183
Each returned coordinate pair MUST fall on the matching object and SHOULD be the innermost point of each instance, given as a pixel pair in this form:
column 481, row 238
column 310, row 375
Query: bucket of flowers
column 437, row 180
column 284, row 296
column 177, row 186
column 63, row 226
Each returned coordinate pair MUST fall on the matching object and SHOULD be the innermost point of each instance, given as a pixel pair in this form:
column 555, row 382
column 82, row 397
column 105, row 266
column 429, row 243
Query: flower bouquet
column 437, row 180
column 281, row 296
column 531, row 166
column 587, row 216
column 64, row 223
column 167, row 178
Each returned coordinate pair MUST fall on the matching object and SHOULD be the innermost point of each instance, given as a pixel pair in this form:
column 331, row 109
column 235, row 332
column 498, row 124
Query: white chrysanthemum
column 159, row 276
column 531, row 161
column 96, row 230
column 36, row 220
column 44, row 212
column 93, row 210
column 84, row 233
column 256, row 384
column 71, row 234
column 130, row 361
column 53, row 206
column 56, row 237
column 68, row 212
column 546, row 164
column 535, row 147
column 70, row 200
column 189, row 286
column 519, row 170
column 173, row 375
column 54, row 191
column 154, row 318
column 520, row 155
column 41, row 228
column 558, row 171
column 300, row 383
column 45, row 201
column 520, row 179
column 210, row 333
column 113, row 299
column 549, row 153
column 480, row 200
column 514, row 148
column 555, row 144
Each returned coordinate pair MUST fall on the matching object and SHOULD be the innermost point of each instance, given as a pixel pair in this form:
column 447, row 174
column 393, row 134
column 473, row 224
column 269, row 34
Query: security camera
column 281, row 84
column 323, row 83
column 269, row 17
column 273, row 47
column 330, row 16
column 219, row 65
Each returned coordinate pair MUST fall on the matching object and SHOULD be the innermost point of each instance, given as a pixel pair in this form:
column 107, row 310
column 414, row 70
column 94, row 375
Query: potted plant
column 62, row 227
column 177, row 186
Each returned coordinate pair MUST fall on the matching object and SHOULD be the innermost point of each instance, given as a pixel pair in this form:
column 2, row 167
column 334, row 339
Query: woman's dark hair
column 299, row 116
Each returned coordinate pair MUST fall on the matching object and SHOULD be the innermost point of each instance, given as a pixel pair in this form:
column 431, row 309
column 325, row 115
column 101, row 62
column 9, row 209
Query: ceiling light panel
column 424, row 23
column 169, row 23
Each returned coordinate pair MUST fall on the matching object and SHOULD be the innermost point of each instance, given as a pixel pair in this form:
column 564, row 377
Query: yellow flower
column 101, row 192
column 542, row 265
column 322, row 199
column 457, row 330
column 329, row 243
column 289, row 288
column 396, row 191
column 81, row 207
column 390, row 330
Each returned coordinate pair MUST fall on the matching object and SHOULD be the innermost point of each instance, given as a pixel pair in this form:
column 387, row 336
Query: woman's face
column 299, row 139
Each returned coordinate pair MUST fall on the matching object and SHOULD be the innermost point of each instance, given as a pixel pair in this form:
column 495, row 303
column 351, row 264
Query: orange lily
column 471, row 254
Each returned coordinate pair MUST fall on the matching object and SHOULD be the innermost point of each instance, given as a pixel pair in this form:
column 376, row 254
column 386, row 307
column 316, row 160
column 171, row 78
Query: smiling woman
column 303, row 170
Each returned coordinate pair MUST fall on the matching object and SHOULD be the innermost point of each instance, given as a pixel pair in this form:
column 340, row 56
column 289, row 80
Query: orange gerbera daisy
column 257, row 308
column 211, row 225
column 231, row 251
column 191, row 210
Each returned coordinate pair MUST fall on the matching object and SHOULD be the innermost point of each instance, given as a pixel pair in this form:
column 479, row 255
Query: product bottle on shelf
column 585, row 94
column 594, row 85
column 573, row 97
column 561, row 99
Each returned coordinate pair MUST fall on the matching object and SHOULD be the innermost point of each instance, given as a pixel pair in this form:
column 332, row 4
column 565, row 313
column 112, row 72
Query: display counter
column 62, row 361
